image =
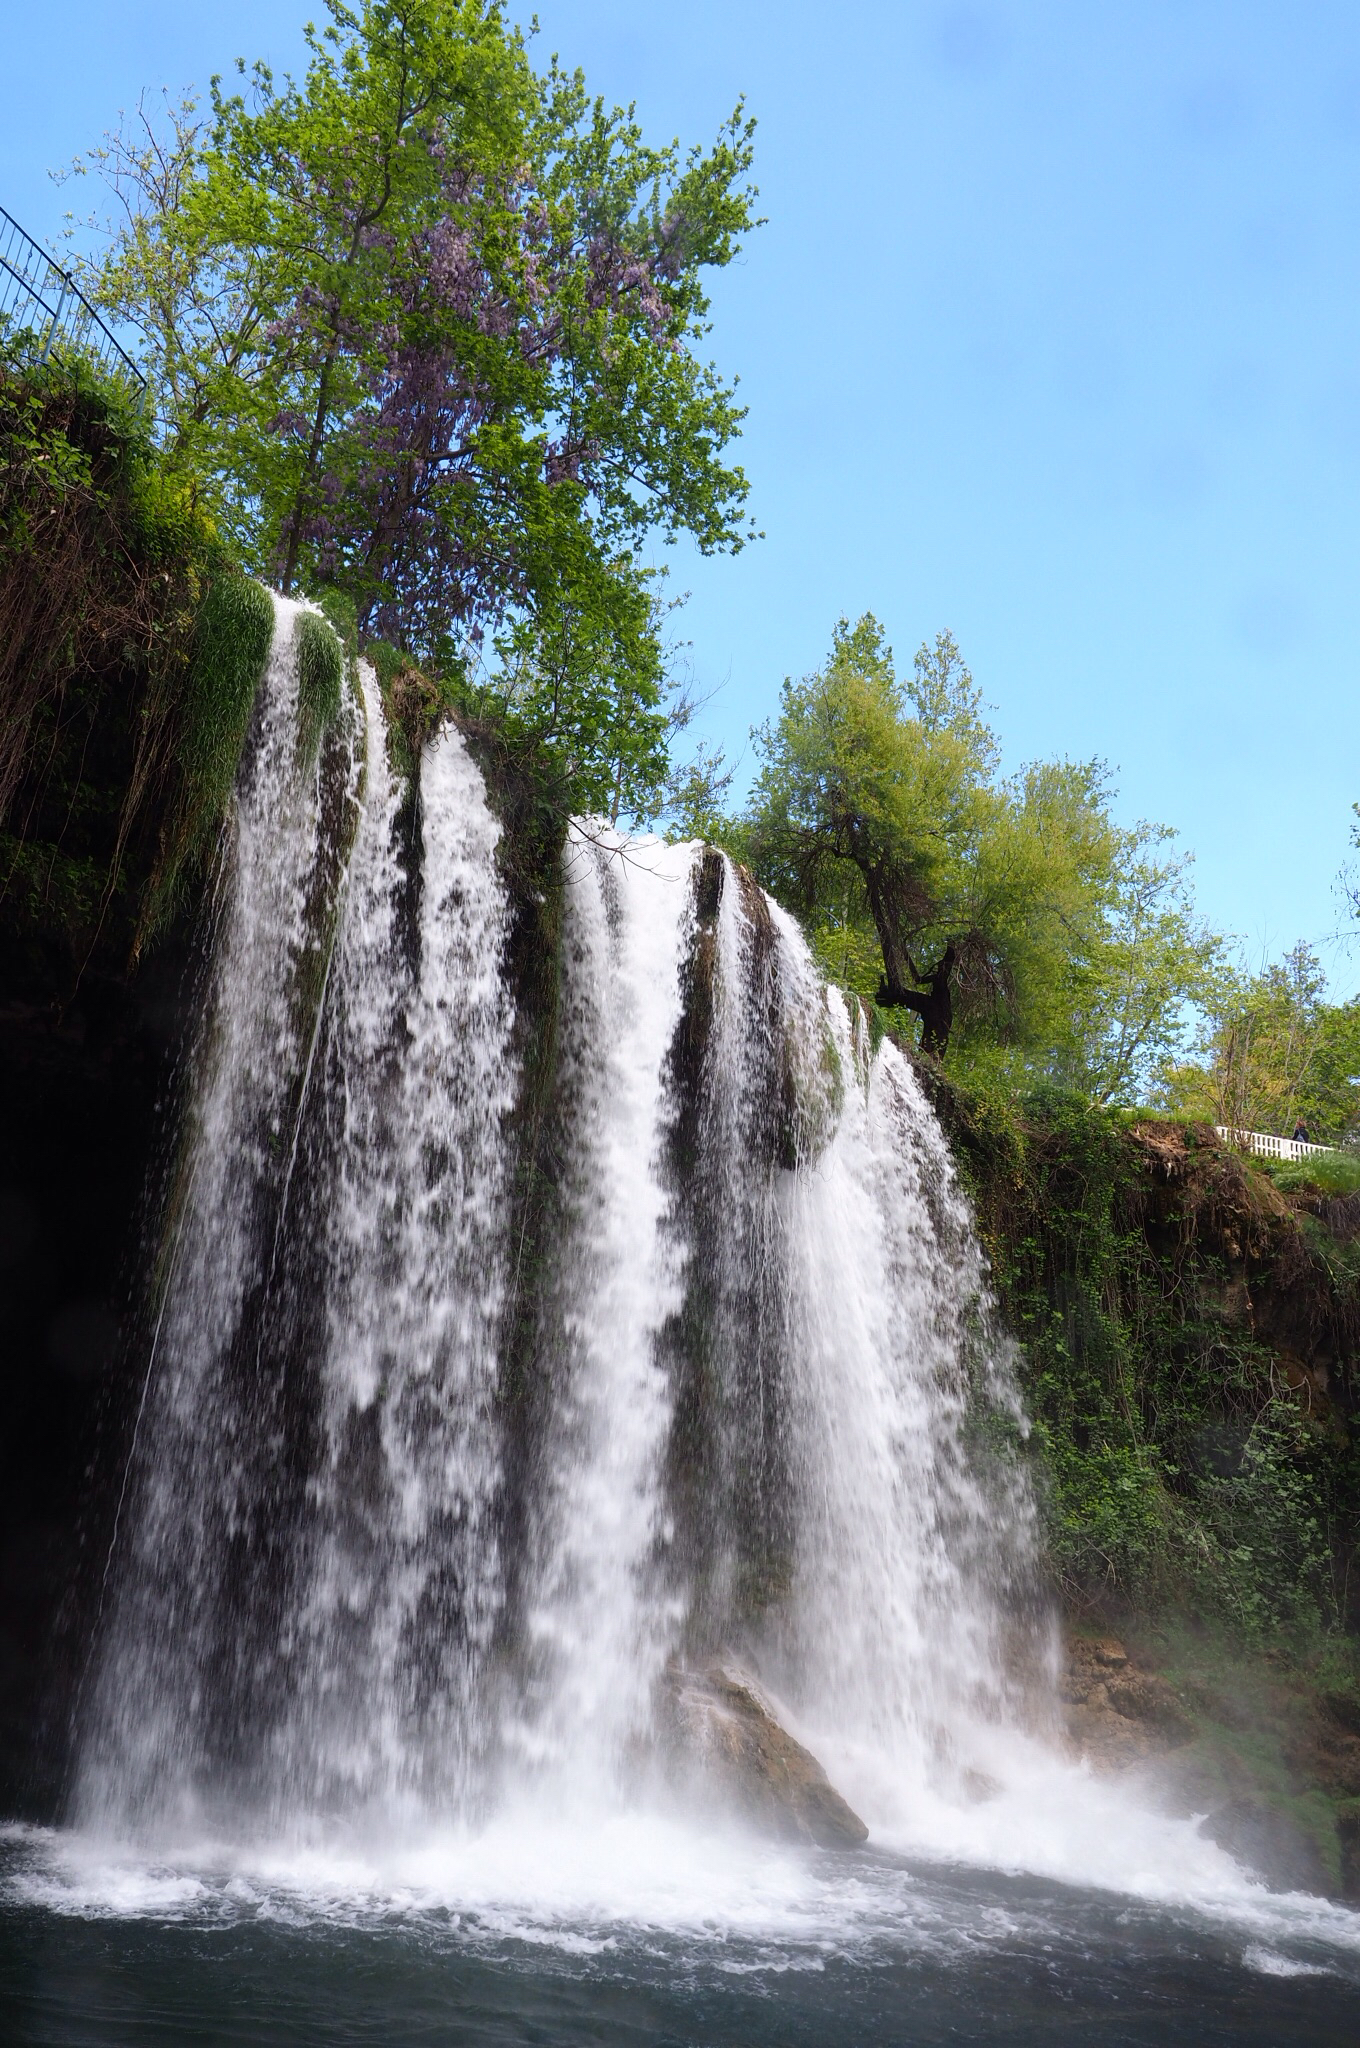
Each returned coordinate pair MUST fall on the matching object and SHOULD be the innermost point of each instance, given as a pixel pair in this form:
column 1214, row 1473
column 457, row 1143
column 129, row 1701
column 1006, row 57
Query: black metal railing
column 43, row 303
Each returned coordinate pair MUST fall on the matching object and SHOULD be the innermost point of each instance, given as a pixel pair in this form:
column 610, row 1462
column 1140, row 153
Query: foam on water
column 640, row 1877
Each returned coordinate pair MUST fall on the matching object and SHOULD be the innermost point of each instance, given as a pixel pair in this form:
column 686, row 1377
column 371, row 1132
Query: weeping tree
column 425, row 324
column 1011, row 909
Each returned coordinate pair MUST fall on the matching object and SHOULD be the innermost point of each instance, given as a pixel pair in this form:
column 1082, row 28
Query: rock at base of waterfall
column 724, row 1728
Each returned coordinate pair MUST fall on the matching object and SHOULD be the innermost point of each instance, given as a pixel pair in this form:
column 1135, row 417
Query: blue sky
column 1053, row 338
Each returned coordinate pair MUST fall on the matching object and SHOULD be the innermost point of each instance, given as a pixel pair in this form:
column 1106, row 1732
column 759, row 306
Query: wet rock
column 1118, row 1714
column 725, row 1730
column 1348, row 1840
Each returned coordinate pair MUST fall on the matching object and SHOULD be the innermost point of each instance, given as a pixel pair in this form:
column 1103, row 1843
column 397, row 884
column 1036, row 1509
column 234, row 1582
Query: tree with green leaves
column 425, row 325
column 1129, row 1002
column 1273, row 1052
column 1007, row 910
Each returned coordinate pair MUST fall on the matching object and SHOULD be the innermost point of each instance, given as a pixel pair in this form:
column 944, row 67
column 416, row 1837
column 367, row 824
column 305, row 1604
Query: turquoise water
column 880, row 1951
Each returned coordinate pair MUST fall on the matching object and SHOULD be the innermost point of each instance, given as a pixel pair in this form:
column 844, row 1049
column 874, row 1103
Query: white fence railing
column 1267, row 1144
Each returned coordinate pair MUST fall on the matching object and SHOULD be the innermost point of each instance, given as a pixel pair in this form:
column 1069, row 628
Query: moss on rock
column 321, row 681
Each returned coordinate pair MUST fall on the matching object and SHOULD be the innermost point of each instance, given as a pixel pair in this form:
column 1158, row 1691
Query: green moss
column 126, row 676
column 415, row 703
column 232, row 636
column 1266, row 1731
column 878, row 1023
column 321, row 680
column 231, row 645
column 340, row 609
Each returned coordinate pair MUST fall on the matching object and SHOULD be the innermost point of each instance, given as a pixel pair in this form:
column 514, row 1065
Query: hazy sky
column 1051, row 339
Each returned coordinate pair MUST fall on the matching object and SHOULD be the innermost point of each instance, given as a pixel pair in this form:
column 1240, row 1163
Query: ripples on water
column 648, row 1933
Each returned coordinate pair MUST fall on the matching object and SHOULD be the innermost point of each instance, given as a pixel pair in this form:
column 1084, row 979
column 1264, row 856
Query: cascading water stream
column 412, row 1181
column 521, row 1358
column 196, row 1485
column 598, row 1623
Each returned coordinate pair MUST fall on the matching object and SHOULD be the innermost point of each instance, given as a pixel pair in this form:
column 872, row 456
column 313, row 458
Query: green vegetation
column 423, row 328
column 131, row 648
column 1010, row 918
column 231, row 642
column 1188, row 1324
column 321, row 680
column 421, row 333
column 1326, row 1173
column 1187, row 1331
column 1273, row 1052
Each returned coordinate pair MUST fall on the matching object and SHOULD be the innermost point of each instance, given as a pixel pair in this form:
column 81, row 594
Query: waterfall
column 597, row 1631
column 509, row 1361
column 207, row 1511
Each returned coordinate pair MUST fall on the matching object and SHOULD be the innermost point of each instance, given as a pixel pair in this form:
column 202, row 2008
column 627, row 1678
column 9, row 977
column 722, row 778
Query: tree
column 1129, row 1001
column 1009, row 910
column 1272, row 1050
column 425, row 326
column 851, row 785
column 1348, row 881
column 694, row 796
column 590, row 695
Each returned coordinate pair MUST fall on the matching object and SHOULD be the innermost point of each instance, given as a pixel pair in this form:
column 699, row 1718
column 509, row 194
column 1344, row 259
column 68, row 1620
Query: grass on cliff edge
column 1328, row 1173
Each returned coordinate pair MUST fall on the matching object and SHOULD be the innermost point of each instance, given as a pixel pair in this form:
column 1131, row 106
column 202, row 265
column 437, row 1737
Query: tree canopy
column 1010, row 909
column 425, row 325
column 1272, row 1052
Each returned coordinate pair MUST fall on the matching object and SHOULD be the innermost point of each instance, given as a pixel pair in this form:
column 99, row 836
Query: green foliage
column 1176, row 1472
column 423, row 329
column 233, row 630
column 1000, row 912
column 339, row 607
column 129, row 654
column 583, row 685
column 1256, row 1533
column 427, row 320
column 695, row 796
column 1273, row 1051
column 231, row 642
column 1123, row 1015
column 43, row 459
column 1329, row 1173
column 321, row 679
column 414, row 703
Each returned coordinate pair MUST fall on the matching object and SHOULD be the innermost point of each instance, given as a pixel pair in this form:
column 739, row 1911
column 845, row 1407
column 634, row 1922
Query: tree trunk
column 898, row 969
column 933, row 1004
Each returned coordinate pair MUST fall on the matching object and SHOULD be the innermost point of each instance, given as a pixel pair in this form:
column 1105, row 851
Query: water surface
column 299, row 1949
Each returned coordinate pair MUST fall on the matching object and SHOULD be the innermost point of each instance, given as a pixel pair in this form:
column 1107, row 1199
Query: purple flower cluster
column 473, row 369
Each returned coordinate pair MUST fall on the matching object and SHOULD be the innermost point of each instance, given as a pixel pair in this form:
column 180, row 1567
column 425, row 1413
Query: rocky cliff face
column 1268, row 1758
column 84, row 1078
column 1118, row 1711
